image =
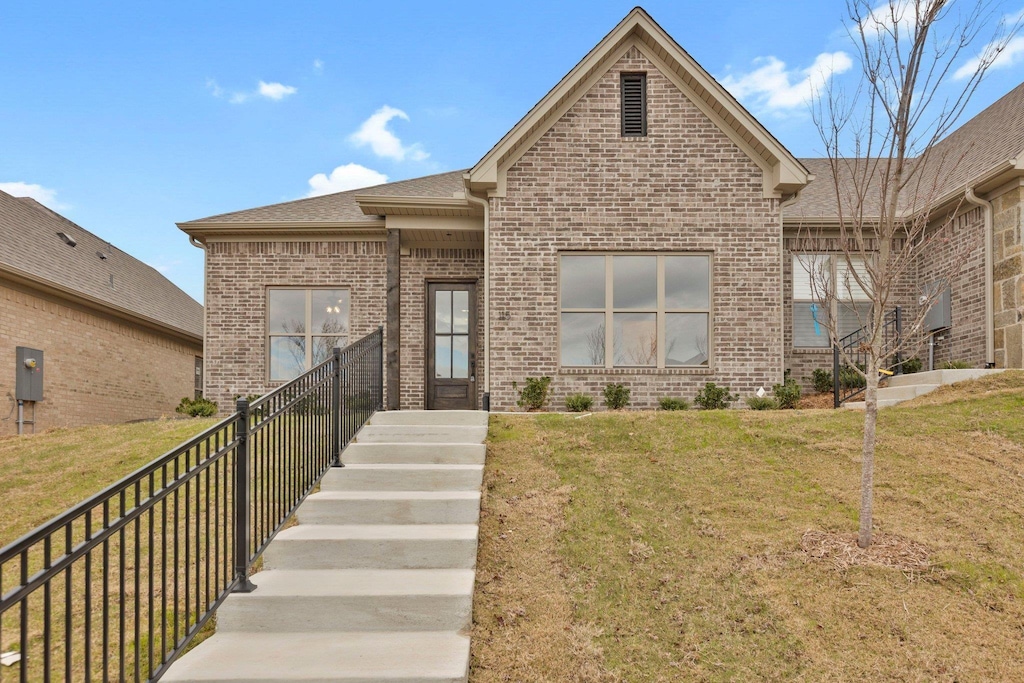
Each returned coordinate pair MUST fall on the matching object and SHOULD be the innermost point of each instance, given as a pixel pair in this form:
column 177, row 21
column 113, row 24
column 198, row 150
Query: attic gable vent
column 68, row 239
column 634, row 105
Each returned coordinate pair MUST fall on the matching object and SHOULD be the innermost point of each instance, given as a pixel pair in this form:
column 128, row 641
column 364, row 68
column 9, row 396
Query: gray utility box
column 940, row 315
column 28, row 385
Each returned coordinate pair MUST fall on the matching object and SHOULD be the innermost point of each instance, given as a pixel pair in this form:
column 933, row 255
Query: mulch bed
column 886, row 550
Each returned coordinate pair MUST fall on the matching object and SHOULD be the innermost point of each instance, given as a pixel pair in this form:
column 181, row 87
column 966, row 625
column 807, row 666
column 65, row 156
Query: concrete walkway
column 905, row 387
column 375, row 583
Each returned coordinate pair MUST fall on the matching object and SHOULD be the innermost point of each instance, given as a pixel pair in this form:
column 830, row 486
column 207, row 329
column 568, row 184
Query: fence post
column 336, row 411
column 379, row 373
column 899, row 340
column 835, row 375
column 241, row 502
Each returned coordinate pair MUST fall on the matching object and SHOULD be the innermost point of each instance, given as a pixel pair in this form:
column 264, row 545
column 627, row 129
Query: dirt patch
column 816, row 402
column 886, row 550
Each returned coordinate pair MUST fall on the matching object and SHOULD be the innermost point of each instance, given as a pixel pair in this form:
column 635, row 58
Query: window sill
column 636, row 371
column 812, row 350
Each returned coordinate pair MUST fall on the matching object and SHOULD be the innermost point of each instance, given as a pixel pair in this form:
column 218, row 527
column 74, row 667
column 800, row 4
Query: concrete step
column 406, row 433
column 391, row 507
column 906, row 391
column 414, row 453
column 352, row 600
column 369, row 546
column 939, row 377
column 472, row 418
column 403, row 478
column 414, row 657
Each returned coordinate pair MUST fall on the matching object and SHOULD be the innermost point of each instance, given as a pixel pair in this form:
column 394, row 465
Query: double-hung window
column 635, row 310
column 813, row 275
column 303, row 325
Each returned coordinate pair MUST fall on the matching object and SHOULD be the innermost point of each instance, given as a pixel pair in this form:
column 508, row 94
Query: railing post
column 835, row 375
column 241, row 502
column 899, row 340
column 379, row 373
column 336, row 411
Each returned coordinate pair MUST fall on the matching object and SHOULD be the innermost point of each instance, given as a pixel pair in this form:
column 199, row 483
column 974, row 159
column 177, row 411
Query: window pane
column 460, row 356
column 329, row 308
column 636, row 339
column 852, row 317
column 443, row 312
column 442, row 356
column 460, row 312
column 287, row 357
column 810, row 325
column 848, row 286
column 686, row 339
column 323, row 347
column 582, row 281
column 808, row 267
column 583, row 339
column 635, row 281
column 686, row 282
column 286, row 311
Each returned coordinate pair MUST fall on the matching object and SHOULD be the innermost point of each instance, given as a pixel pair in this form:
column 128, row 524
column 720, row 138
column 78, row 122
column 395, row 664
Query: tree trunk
column 867, row 468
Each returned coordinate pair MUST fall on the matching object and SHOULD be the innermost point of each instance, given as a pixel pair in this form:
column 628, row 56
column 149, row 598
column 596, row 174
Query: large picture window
column 303, row 325
column 649, row 310
column 811, row 314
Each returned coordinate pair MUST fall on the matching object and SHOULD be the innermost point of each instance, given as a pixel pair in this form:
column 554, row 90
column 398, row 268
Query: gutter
column 485, row 205
column 990, row 354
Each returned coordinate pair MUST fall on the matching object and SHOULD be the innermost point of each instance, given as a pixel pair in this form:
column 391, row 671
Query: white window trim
column 308, row 335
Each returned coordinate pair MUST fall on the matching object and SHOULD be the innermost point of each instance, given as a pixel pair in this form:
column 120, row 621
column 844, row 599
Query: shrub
column 912, row 365
column 671, row 403
column 822, row 381
column 788, row 393
column 616, row 396
column 849, row 378
column 534, row 396
column 579, row 403
column 197, row 407
column 762, row 402
column 956, row 365
column 714, row 397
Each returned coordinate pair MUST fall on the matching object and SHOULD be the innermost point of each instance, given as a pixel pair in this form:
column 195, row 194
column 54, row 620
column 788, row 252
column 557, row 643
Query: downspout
column 199, row 245
column 990, row 354
column 788, row 201
column 487, row 293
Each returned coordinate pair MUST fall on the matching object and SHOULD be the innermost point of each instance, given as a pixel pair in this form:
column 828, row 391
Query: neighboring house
column 120, row 342
column 638, row 225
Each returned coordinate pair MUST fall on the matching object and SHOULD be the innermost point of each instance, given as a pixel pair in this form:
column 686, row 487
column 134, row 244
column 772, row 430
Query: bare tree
column 888, row 172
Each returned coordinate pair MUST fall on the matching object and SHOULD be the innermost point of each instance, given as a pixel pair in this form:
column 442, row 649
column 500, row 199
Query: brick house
column 638, row 225
column 120, row 342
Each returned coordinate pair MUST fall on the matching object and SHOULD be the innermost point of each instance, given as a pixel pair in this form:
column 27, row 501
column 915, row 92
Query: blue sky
column 130, row 117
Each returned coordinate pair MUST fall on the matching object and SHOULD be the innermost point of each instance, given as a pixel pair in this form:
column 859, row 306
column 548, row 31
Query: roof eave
column 385, row 205
column 206, row 229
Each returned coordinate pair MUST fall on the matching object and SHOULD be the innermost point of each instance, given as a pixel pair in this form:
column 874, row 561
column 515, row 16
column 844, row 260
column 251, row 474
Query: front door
column 451, row 346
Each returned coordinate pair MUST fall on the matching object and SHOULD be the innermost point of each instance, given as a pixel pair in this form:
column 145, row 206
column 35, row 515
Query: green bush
column 787, row 394
column 197, row 407
column 849, row 378
column 714, row 397
column 912, row 365
column 822, row 381
column 672, row 403
column 534, row 396
column 578, row 403
column 616, row 396
column 762, row 402
column 956, row 365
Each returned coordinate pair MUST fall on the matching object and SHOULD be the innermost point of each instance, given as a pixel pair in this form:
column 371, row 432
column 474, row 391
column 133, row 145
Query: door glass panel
column 442, row 356
column 460, row 312
column 583, row 339
column 686, row 339
column 635, row 282
column 582, row 281
column 287, row 357
column 286, row 311
column 460, row 357
column 329, row 311
column 443, row 312
column 686, row 282
column 636, row 339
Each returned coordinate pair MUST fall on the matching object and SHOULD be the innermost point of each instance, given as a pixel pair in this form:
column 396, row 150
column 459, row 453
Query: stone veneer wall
column 418, row 268
column 237, row 277
column 684, row 187
column 97, row 369
column 1008, row 278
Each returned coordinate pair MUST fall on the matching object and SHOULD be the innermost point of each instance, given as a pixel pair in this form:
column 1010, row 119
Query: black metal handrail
column 848, row 381
column 116, row 587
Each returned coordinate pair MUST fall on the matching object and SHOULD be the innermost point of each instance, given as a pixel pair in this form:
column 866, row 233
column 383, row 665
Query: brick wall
column 418, row 268
column 685, row 187
column 237, row 277
column 1008, row 278
column 98, row 369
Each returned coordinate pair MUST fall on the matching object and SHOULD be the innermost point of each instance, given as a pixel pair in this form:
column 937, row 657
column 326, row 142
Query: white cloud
column 164, row 267
column 43, row 195
column 383, row 142
column 214, row 88
column 347, row 177
column 276, row 91
column 771, row 87
column 895, row 16
column 1011, row 54
column 318, row 66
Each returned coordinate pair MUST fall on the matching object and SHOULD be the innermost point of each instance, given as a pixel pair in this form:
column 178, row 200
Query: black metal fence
column 847, row 382
column 116, row 587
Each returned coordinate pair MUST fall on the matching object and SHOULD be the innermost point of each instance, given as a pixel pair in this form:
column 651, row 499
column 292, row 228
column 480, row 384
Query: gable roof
column 783, row 173
column 31, row 250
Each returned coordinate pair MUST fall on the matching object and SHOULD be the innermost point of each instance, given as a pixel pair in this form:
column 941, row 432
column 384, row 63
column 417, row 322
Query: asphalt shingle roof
column 29, row 245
